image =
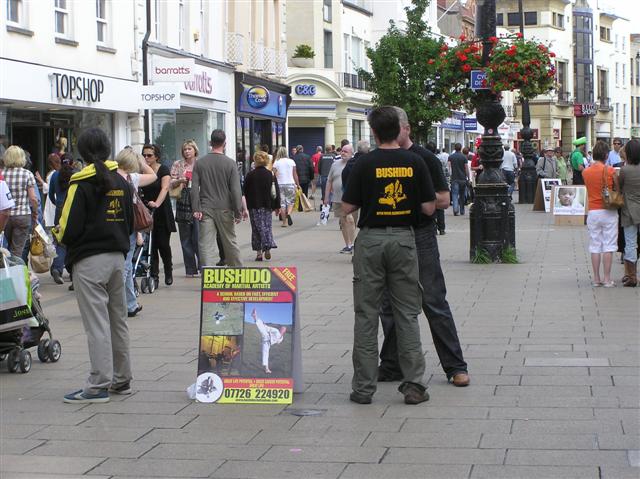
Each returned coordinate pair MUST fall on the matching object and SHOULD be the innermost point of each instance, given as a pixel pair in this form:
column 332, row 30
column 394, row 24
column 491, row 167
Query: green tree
column 402, row 74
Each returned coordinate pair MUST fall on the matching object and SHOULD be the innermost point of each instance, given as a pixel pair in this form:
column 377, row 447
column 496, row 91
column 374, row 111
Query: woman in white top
column 285, row 171
column 49, row 212
column 134, row 169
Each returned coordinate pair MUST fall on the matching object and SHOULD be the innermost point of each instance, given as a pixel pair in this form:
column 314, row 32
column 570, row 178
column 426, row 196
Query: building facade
column 66, row 66
column 634, row 76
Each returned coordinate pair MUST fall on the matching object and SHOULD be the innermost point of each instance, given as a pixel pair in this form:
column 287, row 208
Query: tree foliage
column 401, row 74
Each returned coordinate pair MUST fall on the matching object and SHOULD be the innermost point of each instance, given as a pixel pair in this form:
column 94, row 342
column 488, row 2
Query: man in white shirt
column 508, row 167
column 614, row 155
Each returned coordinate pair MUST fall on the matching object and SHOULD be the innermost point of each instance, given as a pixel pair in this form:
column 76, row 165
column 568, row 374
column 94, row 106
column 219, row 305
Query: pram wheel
column 13, row 362
column 54, row 350
column 144, row 285
column 24, row 359
column 43, row 353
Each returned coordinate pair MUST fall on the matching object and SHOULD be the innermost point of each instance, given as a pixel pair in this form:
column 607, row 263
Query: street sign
column 470, row 124
column 478, row 80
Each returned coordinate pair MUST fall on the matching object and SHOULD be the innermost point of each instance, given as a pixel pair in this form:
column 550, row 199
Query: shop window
column 513, row 19
column 62, row 17
column 500, row 19
column 164, row 133
column 328, row 49
column 357, row 131
column 101, row 20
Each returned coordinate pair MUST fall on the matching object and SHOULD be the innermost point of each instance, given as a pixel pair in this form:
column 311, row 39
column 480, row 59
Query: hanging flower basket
column 514, row 64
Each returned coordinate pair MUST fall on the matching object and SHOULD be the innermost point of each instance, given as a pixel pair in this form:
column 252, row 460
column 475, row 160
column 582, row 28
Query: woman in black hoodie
column 95, row 225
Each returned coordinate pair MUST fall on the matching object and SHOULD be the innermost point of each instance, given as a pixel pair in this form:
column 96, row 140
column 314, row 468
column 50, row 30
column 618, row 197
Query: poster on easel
column 247, row 325
column 569, row 204
column 547, row 189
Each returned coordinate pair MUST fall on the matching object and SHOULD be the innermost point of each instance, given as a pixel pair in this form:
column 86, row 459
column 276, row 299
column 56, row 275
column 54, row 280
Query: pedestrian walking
column 188, row 227
column 315, row 159
column 391, row 186
column 22, row 186
column 262, row 194
column 324, row 166
column 363, row 148
column 335, row 191
column 459, row 166
column 434, row 291
column 305, row 170
column 96, row 224
column 285, row 170
column 49, row 211
column 509, row 166
column 601, row 223
column 615, row 155
column 6, row 203
column 157, row 197
column 546, row 166
column 630, row 213
column 133, row 168
column 216, row 201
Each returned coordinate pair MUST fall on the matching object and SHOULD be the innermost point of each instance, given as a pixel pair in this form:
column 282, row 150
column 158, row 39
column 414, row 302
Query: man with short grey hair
column 216, row 201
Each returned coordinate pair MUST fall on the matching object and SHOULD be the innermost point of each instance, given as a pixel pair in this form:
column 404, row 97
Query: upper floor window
column 61, row 17
column 513, row 19
column 500, row 19
column 558, row 20
column 181, row 20
column 15, row 11
column 328, row 49
column 101, row 20
column 605, row 34
column 624, row 44
column 326, row 10
column 361, row 4
column 530, row 18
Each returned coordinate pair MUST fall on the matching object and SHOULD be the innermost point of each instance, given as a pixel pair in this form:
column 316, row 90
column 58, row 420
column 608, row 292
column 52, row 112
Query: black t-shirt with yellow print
column 389, row 185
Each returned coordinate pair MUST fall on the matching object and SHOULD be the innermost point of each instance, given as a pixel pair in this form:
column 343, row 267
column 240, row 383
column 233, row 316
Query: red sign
column 584, row 109
column 534, row 137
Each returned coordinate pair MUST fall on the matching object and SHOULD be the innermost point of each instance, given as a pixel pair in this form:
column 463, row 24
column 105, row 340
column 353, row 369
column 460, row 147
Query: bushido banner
column 246, row 341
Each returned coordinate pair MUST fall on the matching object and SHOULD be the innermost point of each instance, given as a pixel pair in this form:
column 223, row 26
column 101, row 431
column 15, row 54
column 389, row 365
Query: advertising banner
column 247, row 324
column 171, row 69
column 262, row 101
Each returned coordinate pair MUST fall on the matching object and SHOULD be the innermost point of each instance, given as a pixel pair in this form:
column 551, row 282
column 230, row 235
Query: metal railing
column 269, row 61
column 352, row 80
column 235, row 48
column 281, row 64
column 257, row 57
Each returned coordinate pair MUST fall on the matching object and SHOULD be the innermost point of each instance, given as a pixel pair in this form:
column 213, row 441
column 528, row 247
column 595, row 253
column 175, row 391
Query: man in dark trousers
column 304, row 168
column 434, row 292
column 459, row 175
column 324, row 166
column 391, row 187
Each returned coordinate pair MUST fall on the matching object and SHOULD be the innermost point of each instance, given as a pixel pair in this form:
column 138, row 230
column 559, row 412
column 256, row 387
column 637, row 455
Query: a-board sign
column 547, row 188
column 247, row 320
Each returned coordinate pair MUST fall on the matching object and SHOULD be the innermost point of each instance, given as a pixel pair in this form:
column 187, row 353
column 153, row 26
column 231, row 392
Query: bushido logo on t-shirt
column 393, row 193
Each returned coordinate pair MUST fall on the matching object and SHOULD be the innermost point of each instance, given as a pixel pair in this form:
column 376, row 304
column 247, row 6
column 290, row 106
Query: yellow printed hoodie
column 92, row 224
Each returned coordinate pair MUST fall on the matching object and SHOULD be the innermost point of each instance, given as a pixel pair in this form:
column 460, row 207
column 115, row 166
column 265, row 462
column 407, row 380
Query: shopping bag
column 324, row 214
column 306, row 204
column 15, row 293
column 296, row 203
column 40, row 263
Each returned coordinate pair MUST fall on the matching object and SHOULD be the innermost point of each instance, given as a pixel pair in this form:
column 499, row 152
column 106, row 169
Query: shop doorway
column 309, row 138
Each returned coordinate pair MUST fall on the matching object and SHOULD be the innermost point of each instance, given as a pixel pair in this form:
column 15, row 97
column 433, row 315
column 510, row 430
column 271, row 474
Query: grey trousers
column 99, row 286
column 385, row 258
column 17, row 233
column 218, row 221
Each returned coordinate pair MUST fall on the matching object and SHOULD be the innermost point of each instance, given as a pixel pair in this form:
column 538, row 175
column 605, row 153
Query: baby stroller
column 142, row 266
column 17, row 337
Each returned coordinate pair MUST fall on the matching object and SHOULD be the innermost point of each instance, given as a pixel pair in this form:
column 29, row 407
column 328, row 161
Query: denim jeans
column 510, row 178
column 631, row 243
column 458, row 190
column 58, row 261
column 435, row 306
column 189, row 242
column 130, row 292
column 323, row 185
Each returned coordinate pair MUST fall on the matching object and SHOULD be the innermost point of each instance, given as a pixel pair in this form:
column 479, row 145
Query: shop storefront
column 451, row 131
column 261, row 113
column 205, row 105
column 323, row 113
column 43, row 108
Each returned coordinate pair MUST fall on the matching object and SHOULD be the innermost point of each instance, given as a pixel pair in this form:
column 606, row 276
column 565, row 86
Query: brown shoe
column 413, row 393
column 460, row 380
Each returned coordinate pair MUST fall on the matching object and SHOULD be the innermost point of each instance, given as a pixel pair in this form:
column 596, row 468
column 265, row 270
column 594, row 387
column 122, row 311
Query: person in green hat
column 577, row 160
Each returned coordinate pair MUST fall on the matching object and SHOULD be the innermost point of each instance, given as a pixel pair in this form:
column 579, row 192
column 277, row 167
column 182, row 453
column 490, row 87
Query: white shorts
column 603, row 231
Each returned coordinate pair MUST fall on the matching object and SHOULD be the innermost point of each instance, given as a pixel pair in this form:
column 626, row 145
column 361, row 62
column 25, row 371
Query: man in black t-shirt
column 392, row 188
column 324, row 166
column 434, row 292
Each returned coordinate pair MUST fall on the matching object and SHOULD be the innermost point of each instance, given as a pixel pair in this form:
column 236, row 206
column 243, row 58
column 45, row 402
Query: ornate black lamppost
column 528, row 178
column 492, row 215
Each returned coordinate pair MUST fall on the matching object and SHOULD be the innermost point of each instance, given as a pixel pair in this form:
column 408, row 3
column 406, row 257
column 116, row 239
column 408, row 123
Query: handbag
column 142, row 217
column 40, row 263
column 176, row 191
column 36, row 247
column 612, row 199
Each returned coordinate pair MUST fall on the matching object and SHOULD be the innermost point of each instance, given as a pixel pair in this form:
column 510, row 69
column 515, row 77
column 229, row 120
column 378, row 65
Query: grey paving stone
column 543, row 391
column 82, row 433
column 566, row 427
column 318, row 438
column 634, row 458
column 43, row 417
column 17, row 446
column 531, row 457
column 32, row 475
column 533, row 472
column 438, row 412
column 406, row 471
column 206, row 451
column 428, row 439
column 278, row 470
column 200, row 436
column 618, row 441
column 47, row 465
column 467, row 426
column 567, row 362
column 568, row 402
column 416, row 455
column 529, row 380
column 312, row 424
column 324, row 454
column 538, row 441
column 18, row 431
column 540, row 413
column 615, row 472
column 546, row 371
column 138, row 420
column 157, row 467
column 243, row 422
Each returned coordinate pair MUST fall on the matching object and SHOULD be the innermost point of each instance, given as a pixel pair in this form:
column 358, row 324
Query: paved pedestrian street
column 553, row 362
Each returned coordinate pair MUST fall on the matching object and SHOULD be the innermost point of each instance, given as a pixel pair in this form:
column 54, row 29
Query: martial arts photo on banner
column 220, row 355
column 267, row 340
column 222, row 319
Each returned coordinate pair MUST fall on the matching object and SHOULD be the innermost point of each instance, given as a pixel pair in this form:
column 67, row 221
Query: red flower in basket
column 466, row 68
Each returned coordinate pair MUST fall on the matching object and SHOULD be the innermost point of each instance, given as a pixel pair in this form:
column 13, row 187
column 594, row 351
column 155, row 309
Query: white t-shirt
column 335, row 178
column 284, row 171
column 509, row 161
column 6, row 200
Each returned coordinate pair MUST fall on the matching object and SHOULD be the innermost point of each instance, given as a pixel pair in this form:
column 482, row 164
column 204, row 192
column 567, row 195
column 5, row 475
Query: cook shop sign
column 585, row 109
